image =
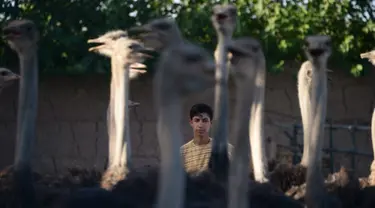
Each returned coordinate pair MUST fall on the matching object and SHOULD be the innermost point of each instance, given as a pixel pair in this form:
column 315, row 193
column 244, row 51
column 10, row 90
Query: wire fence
column 294, row 130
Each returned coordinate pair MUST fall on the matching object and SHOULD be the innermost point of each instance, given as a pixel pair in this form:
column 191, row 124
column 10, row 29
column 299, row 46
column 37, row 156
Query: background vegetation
column 281, row 25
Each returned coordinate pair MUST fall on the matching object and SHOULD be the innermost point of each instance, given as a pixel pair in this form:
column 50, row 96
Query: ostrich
column 181, row 71
column 248, row 67
column 224, row 21
column 246, row 60
column 23, row 36
column 318, row 50
column 125, row 53
column 371, row 57
column 7, row 77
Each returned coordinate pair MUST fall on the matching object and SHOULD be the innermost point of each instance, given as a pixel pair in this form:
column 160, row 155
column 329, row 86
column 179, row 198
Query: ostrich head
column 245, row 52
column 116, row 43
column 158, row 33
column 318, row 48
column 224, row 18
column 370, row 56
column 21, row 35
column 111, row 36
column 7, row 76
column 191, row 67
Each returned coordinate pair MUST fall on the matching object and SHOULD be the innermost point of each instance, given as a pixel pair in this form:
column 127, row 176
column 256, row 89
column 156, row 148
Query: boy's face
column 201, row 124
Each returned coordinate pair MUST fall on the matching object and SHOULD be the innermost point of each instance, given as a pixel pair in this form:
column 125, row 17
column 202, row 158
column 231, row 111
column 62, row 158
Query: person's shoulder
column 186, row 145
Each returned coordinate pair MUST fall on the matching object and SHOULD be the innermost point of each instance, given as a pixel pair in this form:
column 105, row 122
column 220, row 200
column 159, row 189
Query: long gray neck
column 220, row 127
column 257, row 140
column 314, row 178
column 171, row 178
column 373, row 131
column 239, row 167
column 27, row 108
column 119, row 112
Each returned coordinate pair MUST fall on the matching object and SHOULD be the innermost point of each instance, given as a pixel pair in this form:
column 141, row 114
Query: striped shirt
column 196, row 157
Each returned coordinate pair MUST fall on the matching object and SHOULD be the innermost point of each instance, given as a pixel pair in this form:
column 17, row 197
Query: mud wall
column 71, row 128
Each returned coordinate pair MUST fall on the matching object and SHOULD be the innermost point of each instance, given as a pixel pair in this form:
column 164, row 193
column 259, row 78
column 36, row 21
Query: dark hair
column 200, row 108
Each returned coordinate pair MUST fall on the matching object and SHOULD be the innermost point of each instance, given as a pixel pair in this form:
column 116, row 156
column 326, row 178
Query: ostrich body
column 124, row 53
column 7, row 77
column 23, row 36
column 224, row 21
column 318, row 50
column 181, row 71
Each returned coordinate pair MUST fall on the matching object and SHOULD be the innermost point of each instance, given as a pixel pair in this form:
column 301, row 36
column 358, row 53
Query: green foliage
column 281, row 26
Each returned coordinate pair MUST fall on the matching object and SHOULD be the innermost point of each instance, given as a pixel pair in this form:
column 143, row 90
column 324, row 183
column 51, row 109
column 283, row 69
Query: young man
column 196, row 153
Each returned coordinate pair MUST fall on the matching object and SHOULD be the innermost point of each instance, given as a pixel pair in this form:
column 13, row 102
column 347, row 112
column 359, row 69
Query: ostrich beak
column 138, row 67
column 10, row 32
column 96, row 48
column 14, row 77
column 97, row 41
column 365, row 55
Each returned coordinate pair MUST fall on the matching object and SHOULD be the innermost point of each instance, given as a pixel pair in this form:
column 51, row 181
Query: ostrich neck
column 314, row 178
column 27, row 108
column 220, row 128
column 119, row 110
column 239, row 167
column 257, row 140
column 304, row 97
column 170, row 140
column 373, row 131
